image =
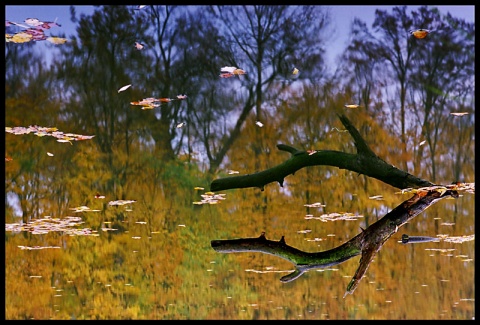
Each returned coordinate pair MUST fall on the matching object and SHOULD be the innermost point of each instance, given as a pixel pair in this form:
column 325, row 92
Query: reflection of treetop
column 414, row 96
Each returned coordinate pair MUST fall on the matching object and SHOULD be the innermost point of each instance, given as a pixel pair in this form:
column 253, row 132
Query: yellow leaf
column 57, row 40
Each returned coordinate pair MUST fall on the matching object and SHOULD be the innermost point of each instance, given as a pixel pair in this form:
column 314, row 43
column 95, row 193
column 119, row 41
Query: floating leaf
column 295, row 71
column 50, row 131
column 57, row 40
column 65, row 140
column 306, row 231
column 420, row 33
column 459, row 114
column 422, row 143
column 260, row 124
column 210, row 198
column 335, row 216
column 33, row 22
column 338, row 130
column 80, row 137
column 179, row 125
column 407, row 191
column 238, row 72
column 121, row 202
column 147, row 103
column 41, row 24
column 139, row 46
column 228, row 69
column 50, row 154
column 227, row 72
column 315, row 205
column 48, row 224
column 37, row 34
column 441, row 190
column 352, row 106
column 226, row 75
column 124, row 88
column 83, row 208
column 20, row 37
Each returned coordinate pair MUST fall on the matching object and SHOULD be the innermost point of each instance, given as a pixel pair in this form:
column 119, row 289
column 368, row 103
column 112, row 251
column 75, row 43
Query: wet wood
column 367, row 243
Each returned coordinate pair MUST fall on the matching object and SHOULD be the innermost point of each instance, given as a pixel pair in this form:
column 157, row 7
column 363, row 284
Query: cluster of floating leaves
column 84, row 208
column 335, row 216
column 210, row 198
column 48, row 224
column 465, row 187
column 151, row 102
column 37, row 247
column 457, row 239
column 446, row 238
column 34, row 31
column 47, row 131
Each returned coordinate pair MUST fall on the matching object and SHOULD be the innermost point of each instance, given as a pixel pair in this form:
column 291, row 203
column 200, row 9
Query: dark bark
column 365, row 161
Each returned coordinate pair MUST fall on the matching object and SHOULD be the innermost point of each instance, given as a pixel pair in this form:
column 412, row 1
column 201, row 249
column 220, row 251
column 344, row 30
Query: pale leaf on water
column 124, row 88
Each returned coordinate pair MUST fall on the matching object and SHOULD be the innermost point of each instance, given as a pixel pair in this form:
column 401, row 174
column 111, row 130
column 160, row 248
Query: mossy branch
column 367, row 243
column 363, row 162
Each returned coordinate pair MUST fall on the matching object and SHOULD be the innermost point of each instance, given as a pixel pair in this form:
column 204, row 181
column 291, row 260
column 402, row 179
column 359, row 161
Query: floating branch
column 363, row 162
column 367, row 243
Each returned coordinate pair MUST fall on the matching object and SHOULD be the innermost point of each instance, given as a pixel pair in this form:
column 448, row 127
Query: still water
column 141, row 249
column 144, row 267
